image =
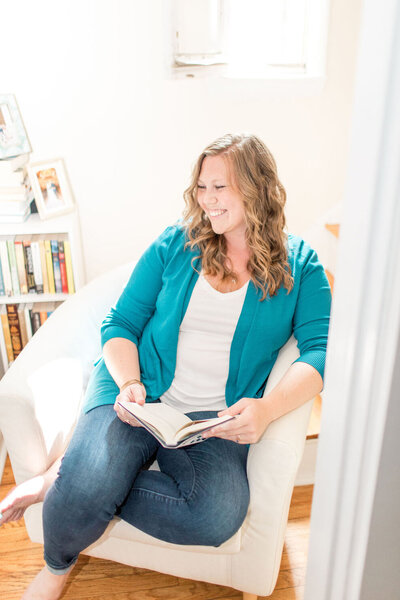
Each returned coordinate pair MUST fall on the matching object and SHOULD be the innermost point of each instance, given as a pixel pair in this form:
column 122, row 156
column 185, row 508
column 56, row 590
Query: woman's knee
column 219, row 518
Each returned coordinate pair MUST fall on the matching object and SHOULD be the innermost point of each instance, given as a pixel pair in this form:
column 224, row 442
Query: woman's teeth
column 216, row 213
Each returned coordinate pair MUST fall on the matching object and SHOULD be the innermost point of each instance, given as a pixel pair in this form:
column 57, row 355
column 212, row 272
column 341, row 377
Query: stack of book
column 39, row 264
column 15, row 190
column 18, row 324
column 15, row 150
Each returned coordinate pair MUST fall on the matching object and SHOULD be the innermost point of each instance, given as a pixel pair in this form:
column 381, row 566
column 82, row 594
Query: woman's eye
column 201, row 187
column 219, row 187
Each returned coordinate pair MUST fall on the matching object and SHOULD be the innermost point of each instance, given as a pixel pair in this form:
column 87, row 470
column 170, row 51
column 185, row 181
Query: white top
column 204, row 343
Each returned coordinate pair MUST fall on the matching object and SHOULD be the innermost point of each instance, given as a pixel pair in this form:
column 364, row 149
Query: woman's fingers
column 125, row 416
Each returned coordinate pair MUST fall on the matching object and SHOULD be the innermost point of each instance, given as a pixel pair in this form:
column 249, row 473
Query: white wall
column 90, row 79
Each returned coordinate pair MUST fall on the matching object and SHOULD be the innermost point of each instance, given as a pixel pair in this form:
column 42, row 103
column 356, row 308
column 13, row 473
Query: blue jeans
column 199, row 496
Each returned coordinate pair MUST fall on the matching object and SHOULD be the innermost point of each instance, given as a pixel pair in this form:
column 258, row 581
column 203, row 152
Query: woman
column 198, row 326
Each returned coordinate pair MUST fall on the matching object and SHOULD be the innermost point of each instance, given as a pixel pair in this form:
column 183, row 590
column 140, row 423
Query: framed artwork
column 13, row 138
column 51, row 189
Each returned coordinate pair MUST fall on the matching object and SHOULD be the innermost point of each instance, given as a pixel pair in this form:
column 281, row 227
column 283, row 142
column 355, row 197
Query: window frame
column 313, row 73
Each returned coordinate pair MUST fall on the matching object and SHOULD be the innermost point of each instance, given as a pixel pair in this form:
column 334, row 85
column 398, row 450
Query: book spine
column 49, row 264
column 12, row 313
column 37, row 267
column 3, row 350
column 22, row 324
column 13, row 267
column 5, row 267
column 56, row 266
column 2, row 287
column 7, row 337
column 46, row 289
column 29, row 266
column 28, row 322
column 35, row 321
column 63, row 270
column 19, row 253
column 68, row 264
column 43, row 316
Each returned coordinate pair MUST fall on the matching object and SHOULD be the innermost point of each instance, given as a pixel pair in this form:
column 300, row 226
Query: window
column 250, row 38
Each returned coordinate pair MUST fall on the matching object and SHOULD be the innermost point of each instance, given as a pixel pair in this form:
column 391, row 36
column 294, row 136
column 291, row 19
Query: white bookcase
column 65, row 224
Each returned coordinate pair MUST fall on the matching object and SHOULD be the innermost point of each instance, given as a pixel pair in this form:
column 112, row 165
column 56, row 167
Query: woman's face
column 220, row 198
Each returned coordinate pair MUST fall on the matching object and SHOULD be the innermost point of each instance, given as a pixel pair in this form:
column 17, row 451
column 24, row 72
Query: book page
column 201, row 425
column 165, row 419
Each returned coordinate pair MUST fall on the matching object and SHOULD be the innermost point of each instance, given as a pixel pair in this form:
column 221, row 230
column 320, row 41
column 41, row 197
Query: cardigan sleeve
column 311, row 316
column 137, row 302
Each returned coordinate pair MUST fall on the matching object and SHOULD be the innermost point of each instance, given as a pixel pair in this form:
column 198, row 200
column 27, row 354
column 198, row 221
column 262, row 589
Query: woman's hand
column 133, row 393
column 251, row 421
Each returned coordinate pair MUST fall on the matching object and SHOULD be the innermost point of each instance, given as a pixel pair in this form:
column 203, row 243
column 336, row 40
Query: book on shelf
column 10, row 178
column 20, row 255
column 169, row 426
column 15, row 197
column 45, row 277
column 7, row 353
column 63, row 269
column 38, row 263
column 30, row 277
column 22, row 324
column 18, row 324
column 68, row 265
column 15, row 331
column 28, row 321
column 49, row 266
column 43, row 310
column 5, row 268
column 14, row 163
column 56, row 266
column 8, row 219
column 12, row 259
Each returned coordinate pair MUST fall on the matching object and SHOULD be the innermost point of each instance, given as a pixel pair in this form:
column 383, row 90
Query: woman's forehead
column 216, row 167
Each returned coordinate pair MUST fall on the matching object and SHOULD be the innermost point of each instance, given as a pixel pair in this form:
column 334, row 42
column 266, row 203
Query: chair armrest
column 41, row 393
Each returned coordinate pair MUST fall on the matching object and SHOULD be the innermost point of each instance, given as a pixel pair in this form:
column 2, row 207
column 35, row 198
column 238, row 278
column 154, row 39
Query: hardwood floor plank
column 98, row 579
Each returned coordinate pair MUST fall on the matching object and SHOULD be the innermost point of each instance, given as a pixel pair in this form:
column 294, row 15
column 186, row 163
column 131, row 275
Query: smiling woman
column 237, row 175
column 173, row 337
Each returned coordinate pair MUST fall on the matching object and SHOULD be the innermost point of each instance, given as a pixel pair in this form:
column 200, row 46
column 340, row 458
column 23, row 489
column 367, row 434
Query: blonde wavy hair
column 255, row 174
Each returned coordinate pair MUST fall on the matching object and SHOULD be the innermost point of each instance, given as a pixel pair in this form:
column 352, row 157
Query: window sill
column 295, row 80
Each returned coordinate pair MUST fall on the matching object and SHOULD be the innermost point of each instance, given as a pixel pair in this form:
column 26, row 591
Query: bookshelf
column 67, row 225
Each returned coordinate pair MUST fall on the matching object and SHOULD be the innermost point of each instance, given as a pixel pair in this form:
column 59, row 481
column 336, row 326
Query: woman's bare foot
column 46, row 586
column 13, row 506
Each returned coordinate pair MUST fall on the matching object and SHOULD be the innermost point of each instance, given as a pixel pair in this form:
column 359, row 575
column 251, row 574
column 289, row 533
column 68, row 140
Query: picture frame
column 13, row 137
column 51, row 189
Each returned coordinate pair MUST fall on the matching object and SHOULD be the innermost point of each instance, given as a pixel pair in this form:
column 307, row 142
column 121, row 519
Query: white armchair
column 40, row 400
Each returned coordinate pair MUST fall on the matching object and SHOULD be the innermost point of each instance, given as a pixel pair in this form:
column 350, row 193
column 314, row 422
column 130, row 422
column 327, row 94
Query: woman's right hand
column 133, row 393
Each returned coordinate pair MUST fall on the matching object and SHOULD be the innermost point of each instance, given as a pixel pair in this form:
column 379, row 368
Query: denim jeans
column 199, row 496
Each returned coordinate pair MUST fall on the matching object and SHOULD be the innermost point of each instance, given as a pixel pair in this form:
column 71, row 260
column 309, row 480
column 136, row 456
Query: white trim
column 3, row 456
column 306, row 472
column 365, row 319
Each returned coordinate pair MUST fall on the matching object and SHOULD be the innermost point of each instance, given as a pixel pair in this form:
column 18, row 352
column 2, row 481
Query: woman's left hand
column 251, row 422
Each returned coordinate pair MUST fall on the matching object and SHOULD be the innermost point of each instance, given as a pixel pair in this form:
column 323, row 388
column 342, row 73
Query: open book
column 169, row 426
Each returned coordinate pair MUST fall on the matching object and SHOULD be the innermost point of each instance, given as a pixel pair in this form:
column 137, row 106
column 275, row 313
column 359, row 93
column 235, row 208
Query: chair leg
column 247, row 596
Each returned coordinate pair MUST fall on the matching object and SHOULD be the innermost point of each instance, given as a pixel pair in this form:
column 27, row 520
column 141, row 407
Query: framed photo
column 13, row 138
column 51, row 189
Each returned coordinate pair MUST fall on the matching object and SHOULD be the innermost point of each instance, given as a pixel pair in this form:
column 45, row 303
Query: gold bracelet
column 130, row 382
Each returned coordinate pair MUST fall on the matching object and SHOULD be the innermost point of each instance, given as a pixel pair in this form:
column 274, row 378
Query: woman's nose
column 210, row 197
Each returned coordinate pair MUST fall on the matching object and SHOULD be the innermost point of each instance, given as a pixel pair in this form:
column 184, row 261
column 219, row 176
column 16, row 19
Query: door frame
column 365, row 318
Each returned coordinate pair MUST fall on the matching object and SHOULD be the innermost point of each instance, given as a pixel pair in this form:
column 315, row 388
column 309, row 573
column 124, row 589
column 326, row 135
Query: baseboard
column 3, row 456
column 306, row 472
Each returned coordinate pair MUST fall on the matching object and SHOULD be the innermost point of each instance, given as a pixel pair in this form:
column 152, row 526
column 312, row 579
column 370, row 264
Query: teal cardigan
column 152, row 305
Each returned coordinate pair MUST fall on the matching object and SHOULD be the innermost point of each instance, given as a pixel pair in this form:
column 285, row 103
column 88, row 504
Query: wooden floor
column 97, row 579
